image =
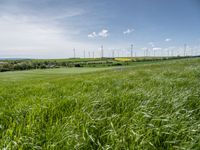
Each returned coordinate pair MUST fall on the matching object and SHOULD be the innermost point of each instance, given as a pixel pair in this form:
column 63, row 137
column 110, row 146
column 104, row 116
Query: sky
column 53, row 28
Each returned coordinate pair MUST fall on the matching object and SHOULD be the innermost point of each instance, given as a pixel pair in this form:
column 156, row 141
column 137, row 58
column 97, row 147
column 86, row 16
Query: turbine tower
column 185, row 48
column 131, row 50
column 84, row 53
column 74, row 53
column 101, row 51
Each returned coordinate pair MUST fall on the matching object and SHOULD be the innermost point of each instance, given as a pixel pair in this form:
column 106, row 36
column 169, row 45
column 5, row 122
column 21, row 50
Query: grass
column 45, row 73
column 144, row 106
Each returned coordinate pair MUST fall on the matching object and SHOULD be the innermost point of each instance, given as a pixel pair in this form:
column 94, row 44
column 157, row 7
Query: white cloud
column 168, row 40
column 15, row 32
column 25, row 37
column 103, row 33
column 151, row 43
column 92, row 35
column 128, row 31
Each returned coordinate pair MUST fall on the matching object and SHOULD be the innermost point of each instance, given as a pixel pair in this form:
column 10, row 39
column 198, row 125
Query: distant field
column 153, row 105
column 30, row 64
column 45, row 73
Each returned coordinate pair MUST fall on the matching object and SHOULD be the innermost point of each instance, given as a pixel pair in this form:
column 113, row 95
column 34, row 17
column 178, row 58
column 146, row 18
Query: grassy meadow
column 142, row 106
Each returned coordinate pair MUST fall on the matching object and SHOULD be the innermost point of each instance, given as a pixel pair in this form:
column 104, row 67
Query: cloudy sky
column 53, row 28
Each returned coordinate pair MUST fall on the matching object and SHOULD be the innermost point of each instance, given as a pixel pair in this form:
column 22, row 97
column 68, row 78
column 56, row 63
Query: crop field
column 144, row 106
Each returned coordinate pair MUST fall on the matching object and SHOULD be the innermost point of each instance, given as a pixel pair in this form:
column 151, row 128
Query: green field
column 142, row 106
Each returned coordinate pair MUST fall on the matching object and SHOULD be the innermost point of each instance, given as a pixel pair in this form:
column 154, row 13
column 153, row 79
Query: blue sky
column 52, row 28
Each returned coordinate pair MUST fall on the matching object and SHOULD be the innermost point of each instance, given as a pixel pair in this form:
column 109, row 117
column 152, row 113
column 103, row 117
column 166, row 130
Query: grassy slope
column 148, row 106
column 45, row 73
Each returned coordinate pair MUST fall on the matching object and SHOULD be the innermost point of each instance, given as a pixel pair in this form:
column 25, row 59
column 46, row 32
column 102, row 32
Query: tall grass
column 155, row 106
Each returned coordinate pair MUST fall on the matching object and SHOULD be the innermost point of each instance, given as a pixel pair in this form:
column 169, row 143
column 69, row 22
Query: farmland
column 28, row 64
column 152, row 105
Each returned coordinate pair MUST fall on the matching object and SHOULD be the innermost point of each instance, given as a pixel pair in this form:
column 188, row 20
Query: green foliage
column 144, row 106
